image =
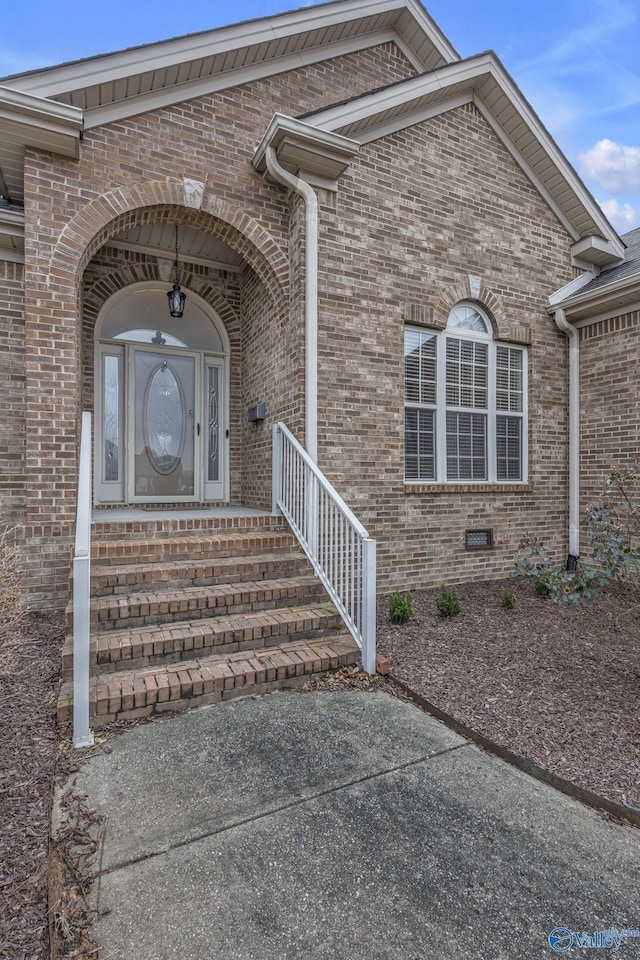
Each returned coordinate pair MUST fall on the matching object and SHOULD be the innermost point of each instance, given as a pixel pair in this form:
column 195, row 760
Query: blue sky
column 577, row 62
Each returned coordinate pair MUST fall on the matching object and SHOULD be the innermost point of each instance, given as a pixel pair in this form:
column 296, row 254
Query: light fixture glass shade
column 176, row 300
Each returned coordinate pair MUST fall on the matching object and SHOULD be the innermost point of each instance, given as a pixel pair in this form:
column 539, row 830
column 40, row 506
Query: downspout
column 310, row 297
column 574, row 436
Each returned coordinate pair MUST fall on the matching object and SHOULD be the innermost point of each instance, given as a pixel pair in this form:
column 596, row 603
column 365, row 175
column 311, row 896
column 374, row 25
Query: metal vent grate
column 478, row 539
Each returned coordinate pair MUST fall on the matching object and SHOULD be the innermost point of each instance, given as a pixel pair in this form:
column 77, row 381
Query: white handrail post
column 369, row 606
column 82, row 734
column 276, row 469
column 340, row 549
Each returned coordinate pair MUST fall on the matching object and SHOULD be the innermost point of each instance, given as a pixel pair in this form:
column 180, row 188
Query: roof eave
column 38, row 122
column 482, row 79
column 109, row 68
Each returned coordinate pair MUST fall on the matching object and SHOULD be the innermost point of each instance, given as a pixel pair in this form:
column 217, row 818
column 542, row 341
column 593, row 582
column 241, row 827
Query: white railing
column 341, row 551
column 82, row 734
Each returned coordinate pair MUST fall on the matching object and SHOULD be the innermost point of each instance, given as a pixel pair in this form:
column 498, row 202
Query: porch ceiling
column 195, row 246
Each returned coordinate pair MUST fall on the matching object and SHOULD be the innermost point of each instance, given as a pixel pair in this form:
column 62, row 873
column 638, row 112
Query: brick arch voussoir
column 108, row 214
column 485, row 297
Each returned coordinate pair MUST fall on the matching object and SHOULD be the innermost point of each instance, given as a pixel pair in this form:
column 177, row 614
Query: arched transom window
column 465, row 402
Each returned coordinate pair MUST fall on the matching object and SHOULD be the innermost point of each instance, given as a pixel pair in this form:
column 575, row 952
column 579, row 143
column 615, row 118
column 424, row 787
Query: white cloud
column 614, row 166
column 622, row 216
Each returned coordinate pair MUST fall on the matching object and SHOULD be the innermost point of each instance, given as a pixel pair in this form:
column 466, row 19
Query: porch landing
column 104, row 514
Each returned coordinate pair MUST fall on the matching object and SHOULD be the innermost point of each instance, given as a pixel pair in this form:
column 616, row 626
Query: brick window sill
column 457, row 488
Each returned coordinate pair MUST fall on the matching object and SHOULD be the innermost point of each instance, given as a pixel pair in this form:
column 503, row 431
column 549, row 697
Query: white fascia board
column 42, row 123
column 178, row 93
column 565, row 293
column 11, row 256
column 12, row 223
column 394, row 124
column 600, row 295
column 158, row 56
column 400, row 94
column 618, row 310
column 337, row 149
column 474, row 72
column 510, row 90
column 594, row 250
column 12, row 228
column 527, row 169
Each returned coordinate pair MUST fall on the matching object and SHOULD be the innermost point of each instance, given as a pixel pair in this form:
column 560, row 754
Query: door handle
column 198, row 429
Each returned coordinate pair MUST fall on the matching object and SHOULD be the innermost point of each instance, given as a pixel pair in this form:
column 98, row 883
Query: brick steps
column 183, row 616
column 223, row 599
column 133, row 694
column 115, row 579
column 202, row 545
column 139, row 647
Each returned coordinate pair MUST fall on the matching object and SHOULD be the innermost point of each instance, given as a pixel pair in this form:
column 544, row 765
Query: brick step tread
column 138, row 693
column 155, row 526
column 184, row 547
column 170, row 642
column 140, row 609
column 203, row 571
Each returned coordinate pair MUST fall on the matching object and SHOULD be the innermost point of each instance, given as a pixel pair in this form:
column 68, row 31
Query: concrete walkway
column 343, row 826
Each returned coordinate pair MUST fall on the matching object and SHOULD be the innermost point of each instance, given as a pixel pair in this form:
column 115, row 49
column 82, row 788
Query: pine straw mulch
column 556, row 686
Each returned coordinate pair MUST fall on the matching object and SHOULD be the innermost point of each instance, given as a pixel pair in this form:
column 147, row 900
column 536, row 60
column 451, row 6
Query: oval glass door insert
column 163, row 419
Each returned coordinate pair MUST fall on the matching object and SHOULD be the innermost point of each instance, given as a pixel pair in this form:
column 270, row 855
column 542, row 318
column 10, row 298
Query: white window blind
column 465, row 403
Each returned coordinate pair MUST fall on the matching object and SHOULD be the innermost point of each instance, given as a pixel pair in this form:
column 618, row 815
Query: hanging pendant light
column 176, row 297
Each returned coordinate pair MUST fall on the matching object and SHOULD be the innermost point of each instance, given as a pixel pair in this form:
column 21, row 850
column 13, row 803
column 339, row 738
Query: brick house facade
column 437, row 188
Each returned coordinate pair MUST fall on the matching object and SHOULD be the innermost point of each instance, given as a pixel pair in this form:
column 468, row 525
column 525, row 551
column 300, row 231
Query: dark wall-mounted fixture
column 258, row 412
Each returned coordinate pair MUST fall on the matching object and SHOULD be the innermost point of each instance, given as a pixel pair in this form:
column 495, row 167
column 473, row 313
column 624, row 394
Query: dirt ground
column 558, row 687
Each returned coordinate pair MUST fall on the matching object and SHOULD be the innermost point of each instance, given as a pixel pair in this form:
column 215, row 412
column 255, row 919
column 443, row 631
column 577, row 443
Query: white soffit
column 12, row 235
column 122, row 84
column 484, row 80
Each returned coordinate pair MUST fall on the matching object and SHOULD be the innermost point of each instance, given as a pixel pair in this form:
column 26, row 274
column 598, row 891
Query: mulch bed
column 557, row 686
column 29, row 678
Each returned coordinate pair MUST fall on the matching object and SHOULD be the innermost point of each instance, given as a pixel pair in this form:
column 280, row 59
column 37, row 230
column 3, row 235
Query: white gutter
column 310, row 297
column 574, row 435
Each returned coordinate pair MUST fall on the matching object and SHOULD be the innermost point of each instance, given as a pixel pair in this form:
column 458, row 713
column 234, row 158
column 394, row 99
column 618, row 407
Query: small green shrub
column 508, row 600
column 542, row 587
column 448, row 603
column 400, row 607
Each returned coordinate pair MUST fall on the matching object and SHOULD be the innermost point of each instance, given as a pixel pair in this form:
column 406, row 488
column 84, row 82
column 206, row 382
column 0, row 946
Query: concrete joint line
column 298, row 802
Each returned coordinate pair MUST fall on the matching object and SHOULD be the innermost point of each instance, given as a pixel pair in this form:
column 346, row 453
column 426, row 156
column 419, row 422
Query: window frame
column 491, row 412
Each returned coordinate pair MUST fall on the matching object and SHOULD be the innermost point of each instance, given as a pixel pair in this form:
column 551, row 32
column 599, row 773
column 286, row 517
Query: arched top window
column 465, row 317
column 139, row 313
column 465, row 402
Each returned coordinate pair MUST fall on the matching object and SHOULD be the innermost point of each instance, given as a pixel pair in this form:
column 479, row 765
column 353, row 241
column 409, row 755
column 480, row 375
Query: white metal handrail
column 341, row 551
column 82, row 734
